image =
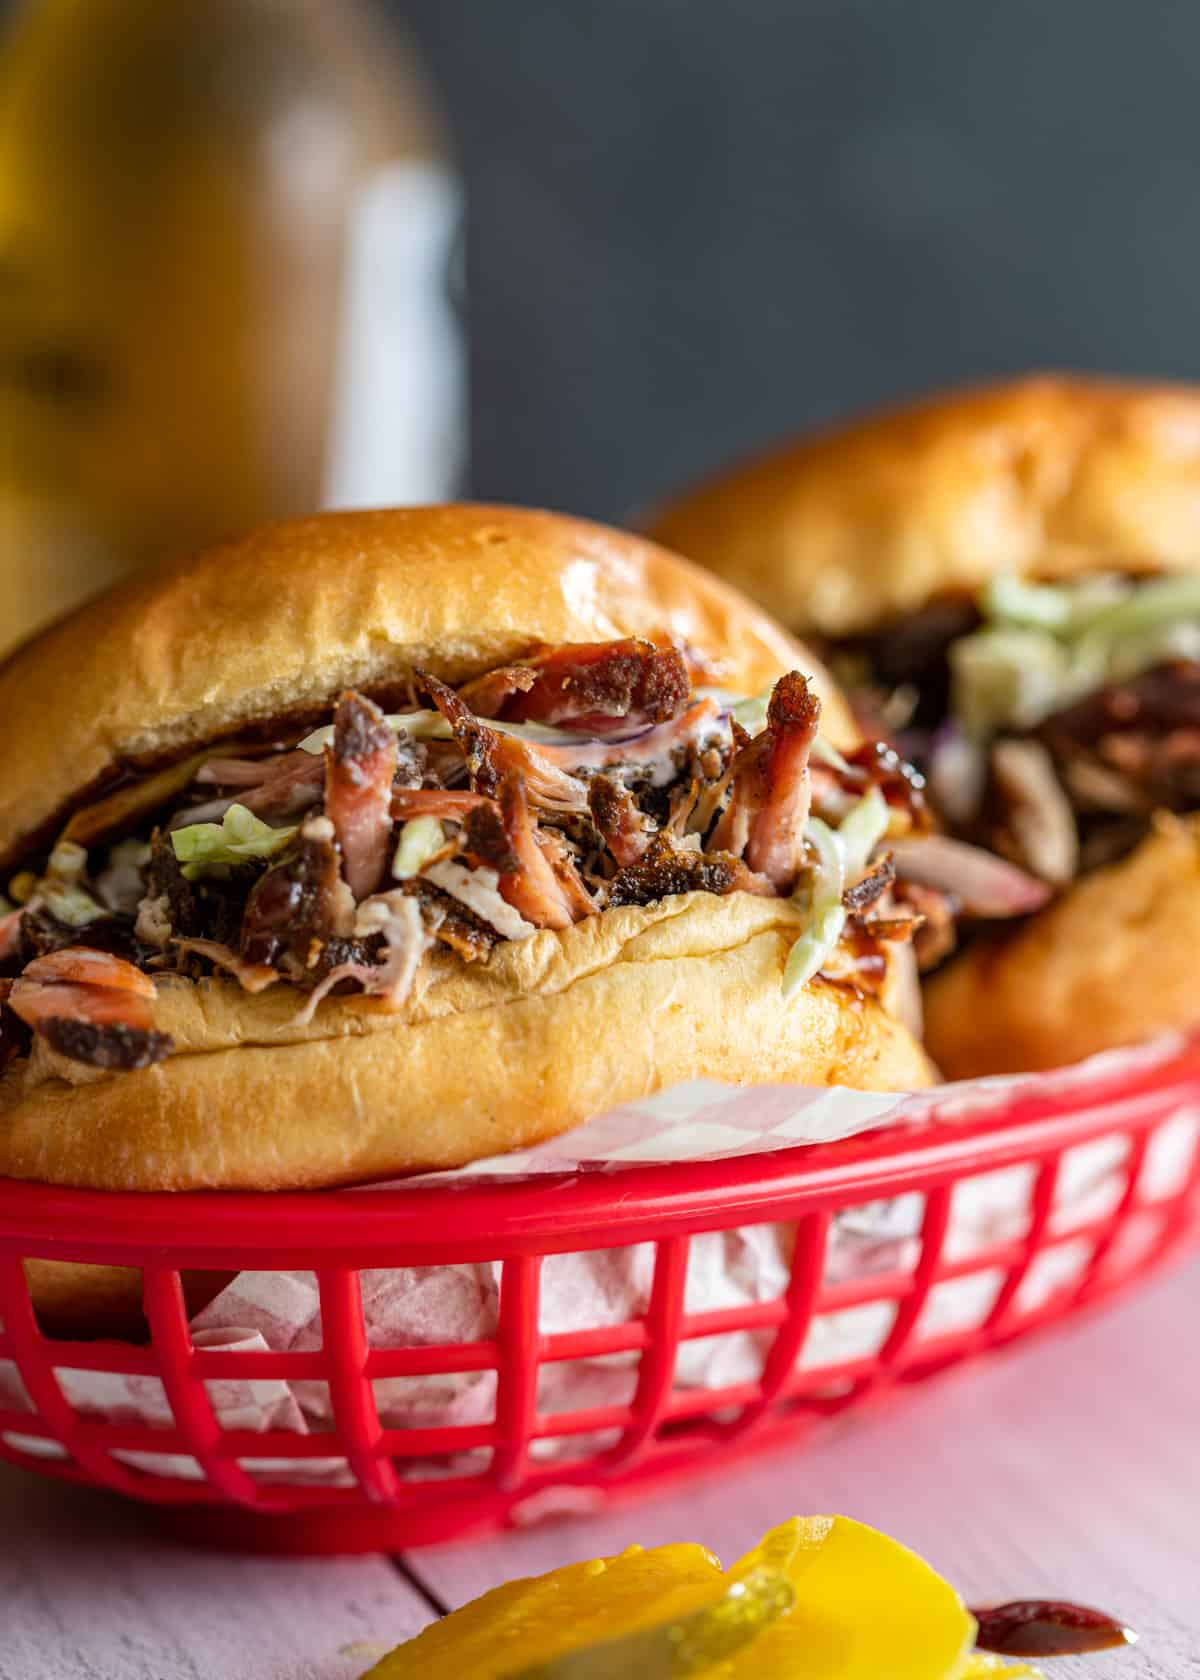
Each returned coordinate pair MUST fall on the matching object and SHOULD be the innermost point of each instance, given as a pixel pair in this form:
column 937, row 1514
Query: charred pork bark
column 114, row 1046
column 666, row 869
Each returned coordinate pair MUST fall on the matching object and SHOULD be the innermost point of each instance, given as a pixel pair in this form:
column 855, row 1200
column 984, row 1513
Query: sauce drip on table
column 1043, row 1627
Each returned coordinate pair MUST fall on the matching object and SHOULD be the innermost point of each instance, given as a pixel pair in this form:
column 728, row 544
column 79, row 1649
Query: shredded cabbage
column 1033, row 606
column 843, row 854
column 829, row 880
column 73, row 906
column 1008, row 678
column 860, row 831
column 61, row 889
column 239, row 837
column 826, row 753
column 750, row 710
column 814, row 947
column 1044, row 646
column 1147, row 606
column 420, row 839
column 1139, row 650
column 1063, row 609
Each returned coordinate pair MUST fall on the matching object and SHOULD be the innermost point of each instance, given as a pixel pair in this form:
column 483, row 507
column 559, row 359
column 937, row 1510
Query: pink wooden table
column 1070, row 1468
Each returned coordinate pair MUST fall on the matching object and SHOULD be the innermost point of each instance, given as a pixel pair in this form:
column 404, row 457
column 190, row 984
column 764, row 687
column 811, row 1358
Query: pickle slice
column 819, row 1598
column 688, row 1646
column 533, row 1622
column 866, row 1607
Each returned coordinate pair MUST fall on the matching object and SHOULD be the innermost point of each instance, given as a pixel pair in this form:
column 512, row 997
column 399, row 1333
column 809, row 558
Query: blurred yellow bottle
column 226, row 231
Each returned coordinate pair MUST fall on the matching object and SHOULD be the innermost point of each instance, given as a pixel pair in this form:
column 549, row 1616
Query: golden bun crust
column 1047, row 476
column 547, row 1033
column 281, row 621
column 1112, row 962
column 77, row 1301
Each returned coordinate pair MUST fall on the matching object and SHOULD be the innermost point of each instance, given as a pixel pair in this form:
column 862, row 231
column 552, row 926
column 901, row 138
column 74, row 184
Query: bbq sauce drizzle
column 1043, row 1627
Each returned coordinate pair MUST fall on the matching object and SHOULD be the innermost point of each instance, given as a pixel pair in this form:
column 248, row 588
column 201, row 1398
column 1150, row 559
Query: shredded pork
column 578, row 779
column 1026, row 807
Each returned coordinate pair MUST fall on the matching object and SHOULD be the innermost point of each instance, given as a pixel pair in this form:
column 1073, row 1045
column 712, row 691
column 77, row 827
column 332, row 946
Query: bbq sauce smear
column 1043, row 1627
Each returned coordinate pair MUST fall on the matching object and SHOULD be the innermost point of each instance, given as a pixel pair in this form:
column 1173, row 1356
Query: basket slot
column 225, row 1364
column 438, row 1442
column 27, row 1349
column 698, row 1401
column 140, row 1437
column 275, row 1443
column 1178, row 1226
column 934, row 1222
column 1045, row 1186
column 1139, row 1146
column 162, row 1295
column 996, row 1257
column 519, row 1347
column 855, row 1292
column 656, row 1369
column 1004, row 1255
column 592, row 1344
column 587, row 1422
column 1176, row 1216
column 748, row 1315
column 931, row 1353
column 804, row 1384
column 120, row 1358
column 353, row 1398
column 804, row 1286
column 432, row 1361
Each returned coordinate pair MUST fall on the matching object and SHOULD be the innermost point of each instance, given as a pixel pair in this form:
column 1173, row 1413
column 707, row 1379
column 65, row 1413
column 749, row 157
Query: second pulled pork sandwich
column 1009, row 580
column 382, row 842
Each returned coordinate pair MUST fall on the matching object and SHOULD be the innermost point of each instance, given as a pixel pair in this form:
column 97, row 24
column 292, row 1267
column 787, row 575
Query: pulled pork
column 1134, row 745
column 1074, row 789
column 532, row 797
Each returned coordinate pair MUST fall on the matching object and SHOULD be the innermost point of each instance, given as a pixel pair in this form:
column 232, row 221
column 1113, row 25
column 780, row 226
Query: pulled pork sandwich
column 381, row 842
column 1009, row 581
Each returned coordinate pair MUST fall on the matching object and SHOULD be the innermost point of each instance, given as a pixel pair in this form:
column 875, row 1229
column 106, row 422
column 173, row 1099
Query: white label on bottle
column 399, row 402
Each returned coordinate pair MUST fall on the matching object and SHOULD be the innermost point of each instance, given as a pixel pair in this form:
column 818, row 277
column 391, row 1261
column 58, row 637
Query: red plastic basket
column 662, row 1429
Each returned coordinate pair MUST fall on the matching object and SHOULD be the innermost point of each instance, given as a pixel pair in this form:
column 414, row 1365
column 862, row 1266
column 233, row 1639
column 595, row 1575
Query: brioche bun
column 280, row 622
column 485, row 1057
column 1110, row 963
column 1047, row 477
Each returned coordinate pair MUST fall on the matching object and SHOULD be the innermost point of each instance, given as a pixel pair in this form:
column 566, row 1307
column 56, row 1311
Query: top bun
column 277, row 624
column 1045, row 477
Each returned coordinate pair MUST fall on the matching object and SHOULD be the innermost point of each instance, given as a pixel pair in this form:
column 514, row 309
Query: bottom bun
column 483, row 1059
column 79, row 1302
column 1111, row 963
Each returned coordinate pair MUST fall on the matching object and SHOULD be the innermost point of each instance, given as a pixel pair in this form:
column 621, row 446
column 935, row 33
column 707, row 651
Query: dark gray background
column 697, row 224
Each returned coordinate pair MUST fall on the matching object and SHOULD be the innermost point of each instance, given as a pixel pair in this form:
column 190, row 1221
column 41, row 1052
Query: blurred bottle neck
column 225, row 227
